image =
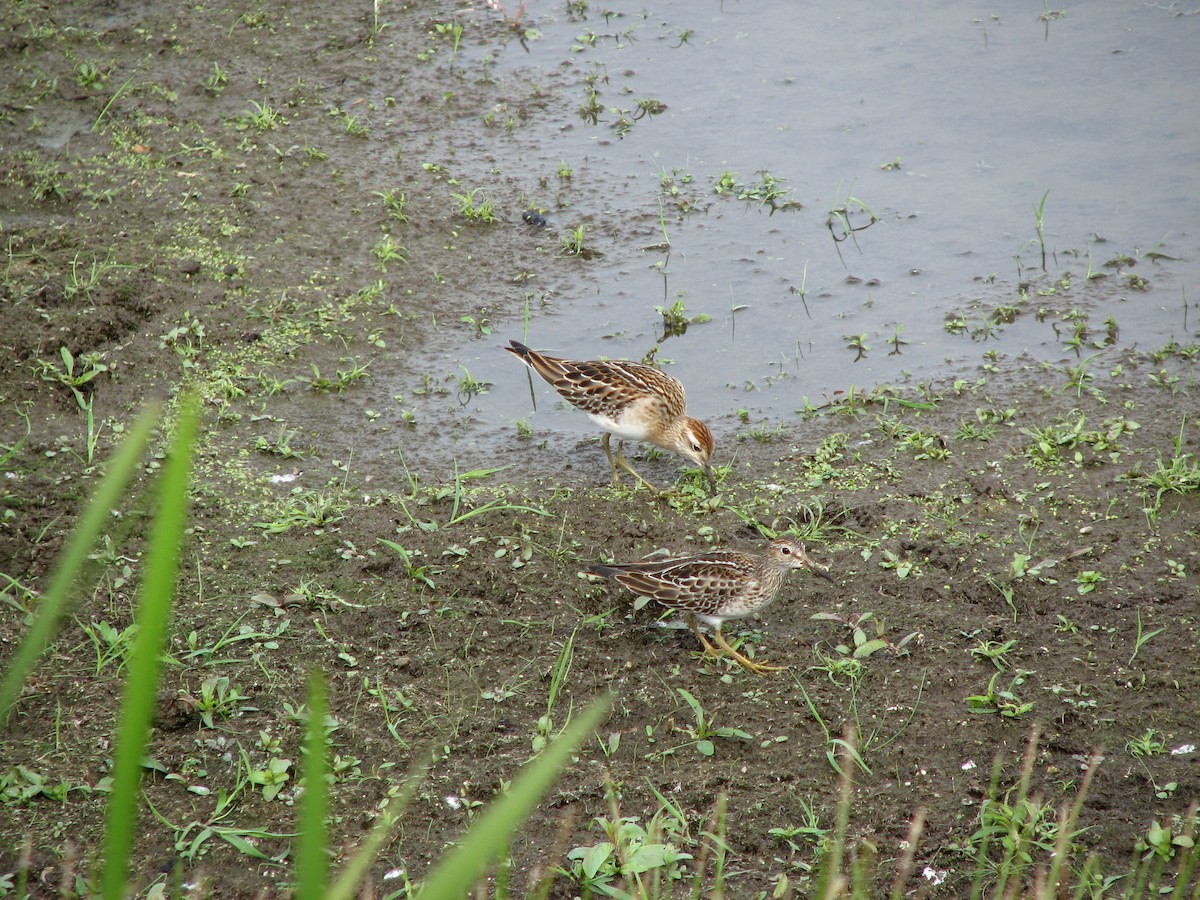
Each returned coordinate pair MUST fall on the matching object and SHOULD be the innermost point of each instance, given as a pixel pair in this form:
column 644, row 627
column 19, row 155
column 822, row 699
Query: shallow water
column 1094, row 110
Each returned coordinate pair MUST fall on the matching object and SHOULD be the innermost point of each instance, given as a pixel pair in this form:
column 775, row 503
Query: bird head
column 792, row 555
column 695, row 442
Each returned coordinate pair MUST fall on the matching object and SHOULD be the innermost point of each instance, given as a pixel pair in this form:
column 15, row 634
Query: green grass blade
column 54, row 601
column 460, row 868
column 141, row 685
column 346, row 886
column 312, row 865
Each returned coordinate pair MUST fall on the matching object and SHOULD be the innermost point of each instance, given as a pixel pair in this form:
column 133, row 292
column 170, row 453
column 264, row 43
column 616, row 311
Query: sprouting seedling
column 262, row 117
column 573, row 241
column 562, row 668
column 454, row 30
column 1039, row 213
column 995, row 652
column 1142, row 636
column 216, row 80
column 1048, row 15
column 386, row 250
column 394, row 202
column 704, row 730
column 842, row 221
column 857, row 343
column 76, row 371
column 483, row 210
column 376, row 26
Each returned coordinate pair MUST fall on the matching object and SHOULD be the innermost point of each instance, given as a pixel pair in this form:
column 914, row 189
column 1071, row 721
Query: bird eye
column 696, row 447
column 785, row 549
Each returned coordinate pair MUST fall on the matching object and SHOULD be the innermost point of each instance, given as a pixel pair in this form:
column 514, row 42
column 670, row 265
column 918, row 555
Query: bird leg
column 709, row 649
column 604, row 442
column 624, row 464
column 744, row 661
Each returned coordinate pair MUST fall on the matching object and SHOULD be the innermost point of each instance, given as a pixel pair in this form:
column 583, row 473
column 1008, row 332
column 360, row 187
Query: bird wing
column 715, row 576
column 605, row 387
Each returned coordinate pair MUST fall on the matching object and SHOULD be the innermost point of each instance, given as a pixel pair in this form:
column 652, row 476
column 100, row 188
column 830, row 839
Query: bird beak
column 824, row 573
column 712, row 481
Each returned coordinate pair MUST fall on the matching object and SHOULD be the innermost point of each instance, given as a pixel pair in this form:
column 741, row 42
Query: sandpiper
column 715, row 586
column 628, row 399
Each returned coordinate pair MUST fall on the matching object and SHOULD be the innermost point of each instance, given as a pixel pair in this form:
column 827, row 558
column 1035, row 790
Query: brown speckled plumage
column 627, row 399
column 715, row 586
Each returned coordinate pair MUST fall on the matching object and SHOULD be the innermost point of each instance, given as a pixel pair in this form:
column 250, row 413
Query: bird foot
column 750, row 665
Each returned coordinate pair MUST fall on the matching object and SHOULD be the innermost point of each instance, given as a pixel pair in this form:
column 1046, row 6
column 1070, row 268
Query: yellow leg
column 624, row 464
column 744, row 661
column 709, row 649
column 612, row 465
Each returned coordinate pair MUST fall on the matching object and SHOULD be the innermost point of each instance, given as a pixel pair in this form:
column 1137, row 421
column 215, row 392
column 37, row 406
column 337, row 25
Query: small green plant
column 1142, row 636
column 558, row 678
column 676, row 320
column 469, row 386
column 994, row 652
column 342, row 380
column 1161, row 844
column 1148, row 743
column 845, row 218
column 85, row 278
column 394, row 202
column 901, row 566
column 75, row 372
column 386, row 250
column 304, row 509
column 704, row 731
column 216, row 80
column 1003, row 701
column 271, row 778
column 451, row 31
column 481, row 324
column 261, row 117
column 187, row 339
column 573, row 242
column 1039, row 214
column 218, row 696
column 418, row 573
column 768, row 191
column 476, row 210
column 280, row 446
column 809, row 832
column 111, row 644
column 629, row 852
column 87, row 75
column 857, row 343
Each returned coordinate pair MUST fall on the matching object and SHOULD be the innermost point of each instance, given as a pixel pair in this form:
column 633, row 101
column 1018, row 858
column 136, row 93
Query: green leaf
column 865, row 650
column 595, row 858
column 242, row 845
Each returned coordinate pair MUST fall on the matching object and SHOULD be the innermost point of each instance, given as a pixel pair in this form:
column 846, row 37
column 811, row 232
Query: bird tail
column 608, row 572
column 516, row 348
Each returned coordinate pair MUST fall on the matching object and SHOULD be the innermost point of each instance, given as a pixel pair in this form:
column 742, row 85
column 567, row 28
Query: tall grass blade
column 461, row 867
column 54, row 601
column 346, row 886
column 153, row 616
column 312, row 864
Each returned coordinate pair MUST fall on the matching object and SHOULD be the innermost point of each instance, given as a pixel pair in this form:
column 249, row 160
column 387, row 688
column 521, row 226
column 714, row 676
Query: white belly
column 627, row 428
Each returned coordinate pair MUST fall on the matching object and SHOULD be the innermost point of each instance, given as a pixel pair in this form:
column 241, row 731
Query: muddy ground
column 184, row 204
